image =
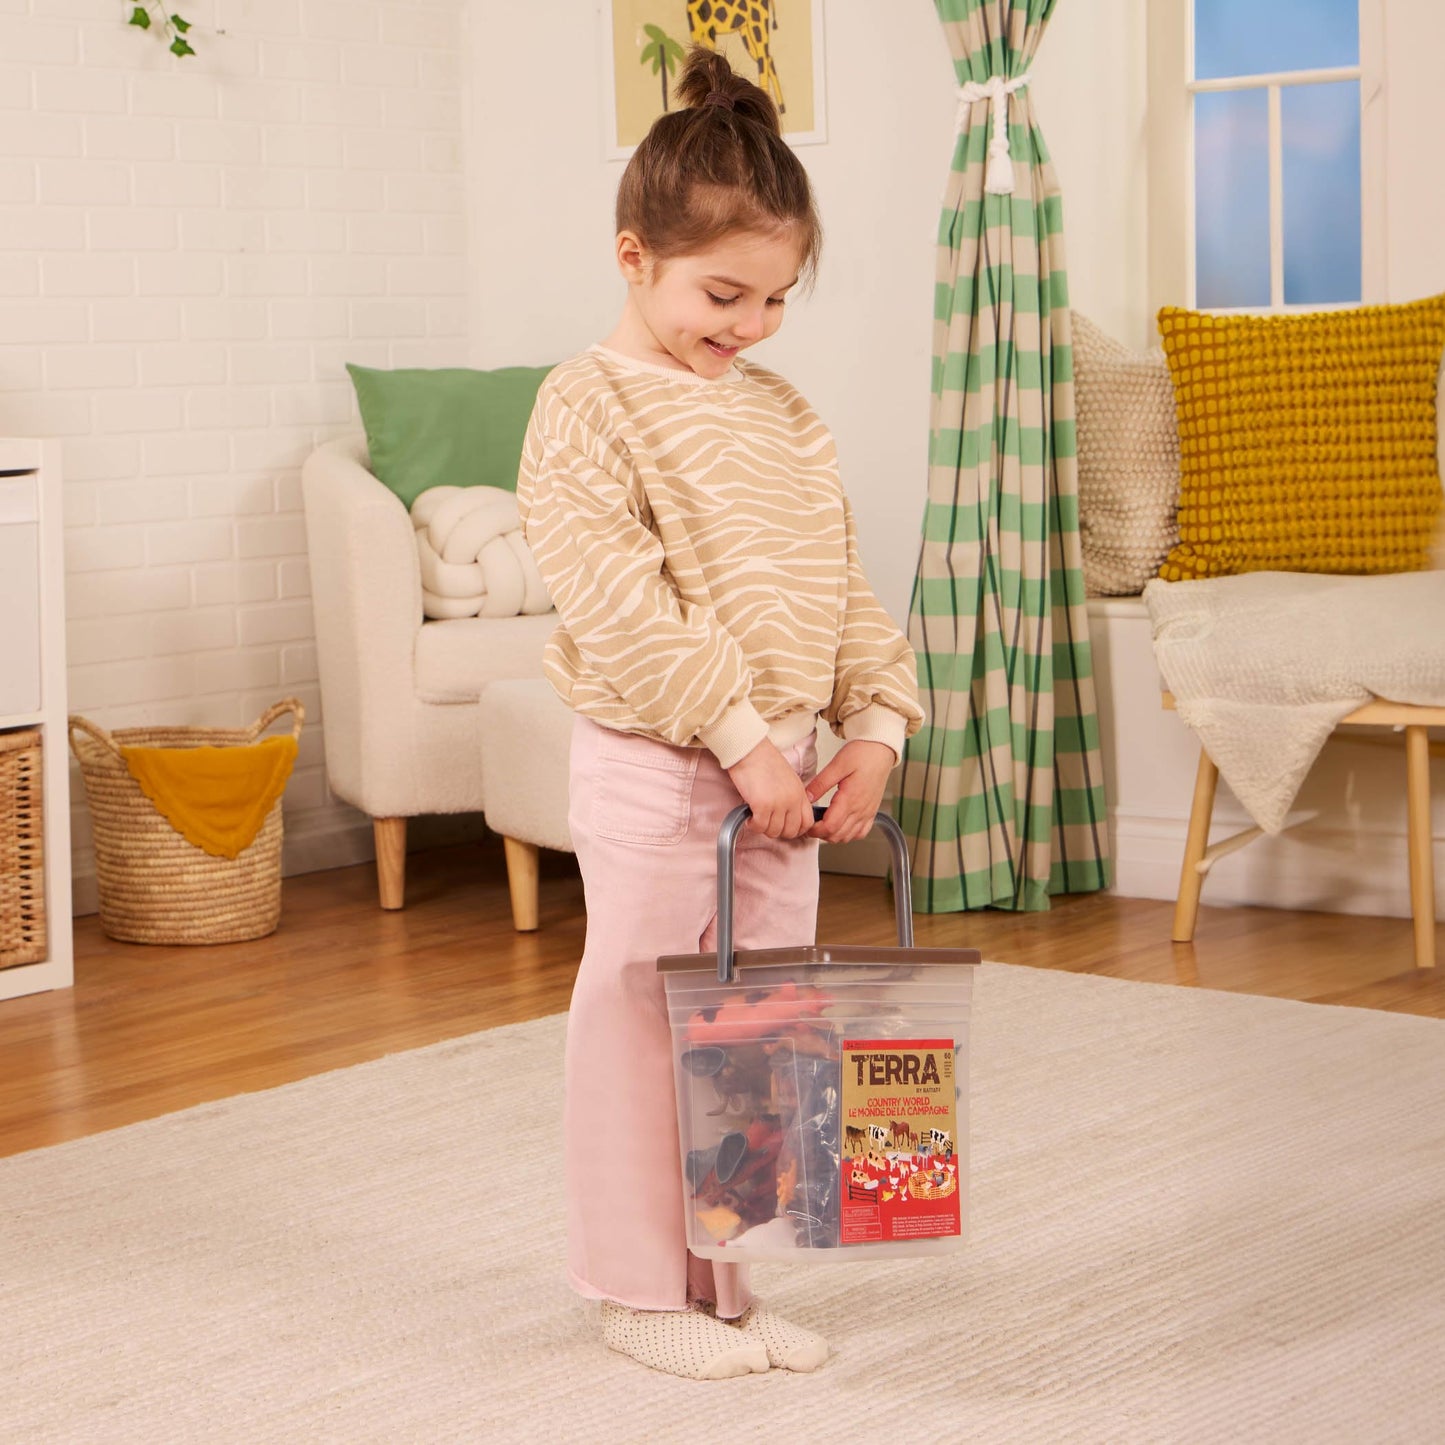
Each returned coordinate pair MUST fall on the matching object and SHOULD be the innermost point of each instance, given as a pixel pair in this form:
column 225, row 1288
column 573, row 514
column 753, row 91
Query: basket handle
column 277, row 709
column 93, row 730
column 726, row 842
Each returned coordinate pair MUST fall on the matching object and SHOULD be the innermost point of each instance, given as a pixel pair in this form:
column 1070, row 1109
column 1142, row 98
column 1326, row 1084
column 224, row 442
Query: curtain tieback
column 998, row 177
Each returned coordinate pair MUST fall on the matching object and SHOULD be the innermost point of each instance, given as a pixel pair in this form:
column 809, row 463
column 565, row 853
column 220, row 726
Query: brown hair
column 717, row 165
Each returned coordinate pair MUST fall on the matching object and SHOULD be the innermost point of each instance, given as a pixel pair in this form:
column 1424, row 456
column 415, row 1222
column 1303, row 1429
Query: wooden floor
column 149, row 1030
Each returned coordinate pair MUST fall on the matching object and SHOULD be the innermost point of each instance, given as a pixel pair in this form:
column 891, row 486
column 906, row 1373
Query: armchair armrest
column 366, row 596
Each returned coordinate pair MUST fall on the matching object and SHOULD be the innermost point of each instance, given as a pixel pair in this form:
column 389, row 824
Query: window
column 1282, row 190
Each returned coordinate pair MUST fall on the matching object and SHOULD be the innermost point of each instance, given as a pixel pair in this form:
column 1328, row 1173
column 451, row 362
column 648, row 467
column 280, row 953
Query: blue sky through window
column 1231, row 198
column 1320, row 162
column 1254, row 37
column 1320, row 135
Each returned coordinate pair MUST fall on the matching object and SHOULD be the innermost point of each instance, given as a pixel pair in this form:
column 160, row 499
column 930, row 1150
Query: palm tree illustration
column 663, row 52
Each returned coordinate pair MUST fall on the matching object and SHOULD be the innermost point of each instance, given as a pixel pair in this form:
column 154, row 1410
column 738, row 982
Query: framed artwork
column 777, row 44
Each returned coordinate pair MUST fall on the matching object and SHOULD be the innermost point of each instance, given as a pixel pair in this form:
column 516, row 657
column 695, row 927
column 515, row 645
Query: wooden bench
column 1200, row 855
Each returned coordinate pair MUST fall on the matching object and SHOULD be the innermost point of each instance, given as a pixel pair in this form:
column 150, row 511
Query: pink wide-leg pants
column 644, row 818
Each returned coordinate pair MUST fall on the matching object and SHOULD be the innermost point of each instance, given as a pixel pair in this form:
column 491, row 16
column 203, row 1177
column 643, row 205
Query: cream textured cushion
column 525, row 731
column 1128, row 446
column 457, row 659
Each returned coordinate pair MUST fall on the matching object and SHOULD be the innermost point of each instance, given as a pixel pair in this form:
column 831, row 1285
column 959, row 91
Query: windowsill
column 1117, row 607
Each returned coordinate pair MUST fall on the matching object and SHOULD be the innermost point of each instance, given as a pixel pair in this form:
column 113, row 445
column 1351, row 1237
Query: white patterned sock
column 689, row 1342
column 789, row 1346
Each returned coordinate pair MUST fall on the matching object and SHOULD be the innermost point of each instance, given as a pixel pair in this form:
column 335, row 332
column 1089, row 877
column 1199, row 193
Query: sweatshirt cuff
column 735, row 734
column 877, row 724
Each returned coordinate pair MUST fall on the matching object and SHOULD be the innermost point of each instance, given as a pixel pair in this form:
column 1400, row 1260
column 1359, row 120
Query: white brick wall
column 189, row 252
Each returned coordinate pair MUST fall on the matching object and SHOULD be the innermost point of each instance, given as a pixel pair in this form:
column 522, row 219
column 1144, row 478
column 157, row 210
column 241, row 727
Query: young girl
column 685, row 509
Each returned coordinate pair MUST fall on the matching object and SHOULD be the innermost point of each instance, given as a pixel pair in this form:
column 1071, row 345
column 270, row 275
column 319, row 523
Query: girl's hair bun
column 707, row 80
column 716, row 165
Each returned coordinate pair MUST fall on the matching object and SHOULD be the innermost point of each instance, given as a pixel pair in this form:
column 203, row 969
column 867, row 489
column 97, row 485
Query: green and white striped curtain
column 1002, row 791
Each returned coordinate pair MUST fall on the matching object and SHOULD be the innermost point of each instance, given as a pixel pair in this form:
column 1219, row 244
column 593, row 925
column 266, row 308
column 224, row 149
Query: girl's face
column 697, row 312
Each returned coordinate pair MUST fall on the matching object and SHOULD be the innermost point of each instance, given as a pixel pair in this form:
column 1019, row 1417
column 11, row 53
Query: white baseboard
column 317, row 841
column 84, row 897
column 333, row 837
column 867, row 858
column 1314, row 867
column 1330, row 870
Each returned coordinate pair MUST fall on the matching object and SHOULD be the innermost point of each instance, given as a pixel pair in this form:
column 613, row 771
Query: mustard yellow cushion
column 1307, row 442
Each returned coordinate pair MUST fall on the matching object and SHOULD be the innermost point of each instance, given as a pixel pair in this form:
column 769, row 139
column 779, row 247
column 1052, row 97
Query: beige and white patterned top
column 702, row 555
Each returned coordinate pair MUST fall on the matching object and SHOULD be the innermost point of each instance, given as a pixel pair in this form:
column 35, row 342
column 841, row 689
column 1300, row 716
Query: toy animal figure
column 739, row 1175
column 763, row 1013
column 752, row 21
column 773, row 1062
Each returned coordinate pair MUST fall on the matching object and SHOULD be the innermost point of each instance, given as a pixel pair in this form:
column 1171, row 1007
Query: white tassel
column 998, row 176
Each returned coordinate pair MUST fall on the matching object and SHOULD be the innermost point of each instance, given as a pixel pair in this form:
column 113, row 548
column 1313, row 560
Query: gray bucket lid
column 851, row 954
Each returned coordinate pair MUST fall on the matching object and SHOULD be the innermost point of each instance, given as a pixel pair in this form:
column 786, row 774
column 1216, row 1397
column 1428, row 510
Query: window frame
column 1172, row 88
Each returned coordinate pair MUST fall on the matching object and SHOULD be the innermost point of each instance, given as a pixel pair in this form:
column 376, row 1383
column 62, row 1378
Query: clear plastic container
column 822, row 1092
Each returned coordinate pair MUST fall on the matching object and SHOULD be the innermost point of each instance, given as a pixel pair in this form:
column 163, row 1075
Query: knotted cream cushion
column 475, row 561
column 1128, row 458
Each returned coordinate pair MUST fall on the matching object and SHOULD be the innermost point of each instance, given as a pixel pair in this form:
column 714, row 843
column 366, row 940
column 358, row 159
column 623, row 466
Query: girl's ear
column 632, row 258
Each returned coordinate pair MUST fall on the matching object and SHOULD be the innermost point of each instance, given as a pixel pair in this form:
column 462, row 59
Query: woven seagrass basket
column 22, row 836
column 155, row 886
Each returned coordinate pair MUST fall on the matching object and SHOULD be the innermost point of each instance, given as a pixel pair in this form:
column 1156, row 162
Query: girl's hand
column 769, row 786
column 860, row 772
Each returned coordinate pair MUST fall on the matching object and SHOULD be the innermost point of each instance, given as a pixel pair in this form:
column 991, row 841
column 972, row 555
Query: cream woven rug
column 1196, row 1217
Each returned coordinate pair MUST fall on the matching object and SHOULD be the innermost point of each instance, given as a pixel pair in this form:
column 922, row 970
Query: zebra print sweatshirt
column 702, row 555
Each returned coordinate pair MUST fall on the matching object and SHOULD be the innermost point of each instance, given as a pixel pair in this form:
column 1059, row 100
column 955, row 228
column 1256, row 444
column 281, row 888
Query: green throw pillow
column 451, row 427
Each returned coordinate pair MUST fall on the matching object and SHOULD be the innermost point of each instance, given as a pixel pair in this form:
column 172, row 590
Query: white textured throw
column 474, row 560
column 998, row 179
column 1265, row 665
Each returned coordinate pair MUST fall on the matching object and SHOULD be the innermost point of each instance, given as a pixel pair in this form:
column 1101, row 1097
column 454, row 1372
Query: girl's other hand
column 860, row 773
column 769, row 786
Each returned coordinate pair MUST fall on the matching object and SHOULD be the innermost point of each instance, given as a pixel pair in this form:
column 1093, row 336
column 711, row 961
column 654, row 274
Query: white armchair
column 399, row 694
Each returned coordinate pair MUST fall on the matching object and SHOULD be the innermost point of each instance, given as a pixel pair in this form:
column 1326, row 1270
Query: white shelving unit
column 32, row 676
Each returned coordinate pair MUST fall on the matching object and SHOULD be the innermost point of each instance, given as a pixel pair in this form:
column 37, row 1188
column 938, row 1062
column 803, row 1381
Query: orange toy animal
column 759, row 1013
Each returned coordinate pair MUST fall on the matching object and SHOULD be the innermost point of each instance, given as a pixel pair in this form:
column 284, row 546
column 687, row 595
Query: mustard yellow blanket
column 215, row 798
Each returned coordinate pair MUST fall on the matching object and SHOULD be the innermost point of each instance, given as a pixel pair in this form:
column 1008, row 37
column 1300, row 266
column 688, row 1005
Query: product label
column 900, row 1141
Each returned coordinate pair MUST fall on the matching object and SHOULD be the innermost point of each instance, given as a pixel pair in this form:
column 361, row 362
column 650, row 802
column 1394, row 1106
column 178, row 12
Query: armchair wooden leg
column 522, row 881
column 1191, row 880
column 1422, row 862
column 390, row 835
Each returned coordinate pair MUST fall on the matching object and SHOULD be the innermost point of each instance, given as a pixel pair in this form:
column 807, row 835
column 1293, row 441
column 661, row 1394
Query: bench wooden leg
column 1422, row 862
column 522, row 861
column 390, row 837
column 1191, row 880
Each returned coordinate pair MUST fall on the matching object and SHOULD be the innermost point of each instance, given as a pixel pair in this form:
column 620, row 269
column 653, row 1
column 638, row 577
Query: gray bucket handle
column 726, row 846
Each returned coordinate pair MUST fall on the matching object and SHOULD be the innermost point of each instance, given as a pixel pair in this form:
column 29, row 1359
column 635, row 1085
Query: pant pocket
column 643, row 791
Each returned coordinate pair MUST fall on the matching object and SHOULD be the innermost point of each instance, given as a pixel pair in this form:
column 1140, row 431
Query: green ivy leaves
column 175, row 26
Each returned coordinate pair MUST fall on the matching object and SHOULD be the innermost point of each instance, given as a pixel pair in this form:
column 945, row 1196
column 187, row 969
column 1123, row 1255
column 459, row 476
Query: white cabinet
column 32, row 676
column 19, row 595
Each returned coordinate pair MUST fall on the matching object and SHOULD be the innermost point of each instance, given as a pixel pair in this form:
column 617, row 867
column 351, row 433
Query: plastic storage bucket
column 822, row 1092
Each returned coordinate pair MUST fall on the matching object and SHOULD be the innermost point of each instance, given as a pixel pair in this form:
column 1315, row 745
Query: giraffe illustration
column 752, row 21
